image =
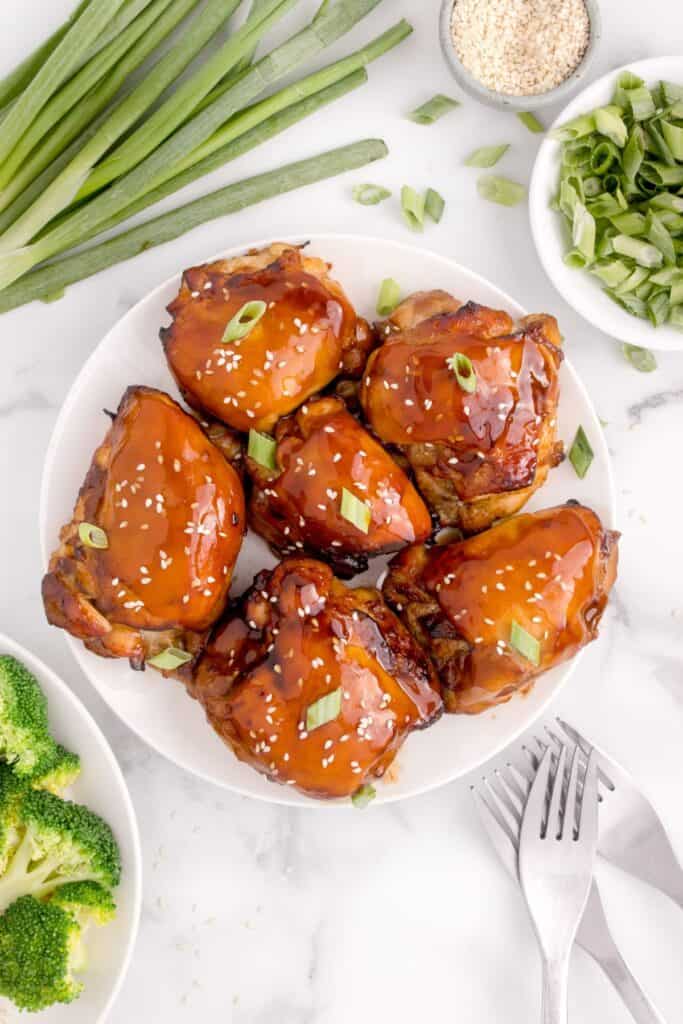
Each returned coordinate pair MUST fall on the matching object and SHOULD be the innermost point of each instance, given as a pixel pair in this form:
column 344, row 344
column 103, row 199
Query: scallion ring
column 413, row 206
column 464, row 371
column 170, row 659
column 262, row 448
column 93, row 536
column 370, row 195
column 355, row 511
column 525, row 644
column 244, row 320
column 324, row 710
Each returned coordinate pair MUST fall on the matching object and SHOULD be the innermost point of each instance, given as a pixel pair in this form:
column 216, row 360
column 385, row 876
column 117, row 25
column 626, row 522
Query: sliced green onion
column 262, row 449
column 413, row 206
column 530, row 121
column 612, row 273
column 363, row 796
column 660, row 238
column 630, row 223
column 324, row 710
column 389, row 296
column 657, row 305
column 671, row 92
column 581, row 454
column 355, row 511
column 676, row 293
column 500, row 190
column 609, row 122
column 525, row 644
column 464, row 371
column 640, row 359
column 673, row 134
column 434, row 205
column 583, row 232
column 643, row 253
column 641, row 103
column 575, row 129
column 244, row 320
column 486, row 156
column 633, row 154
column 634, row 280
column 370, row 195
column 676, row 316
column 170, row 659
column 433, row 109
column 93, row 536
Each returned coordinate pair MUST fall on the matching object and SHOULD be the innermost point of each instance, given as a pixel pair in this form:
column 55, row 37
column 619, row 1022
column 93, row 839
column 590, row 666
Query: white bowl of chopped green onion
column 606, row 203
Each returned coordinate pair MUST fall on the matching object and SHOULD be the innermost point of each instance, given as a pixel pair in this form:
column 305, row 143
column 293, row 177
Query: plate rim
column 8, row 645
column 620, row 325
column 282, row 795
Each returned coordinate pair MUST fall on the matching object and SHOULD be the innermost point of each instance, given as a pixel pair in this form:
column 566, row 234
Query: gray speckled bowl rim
column 473, row 87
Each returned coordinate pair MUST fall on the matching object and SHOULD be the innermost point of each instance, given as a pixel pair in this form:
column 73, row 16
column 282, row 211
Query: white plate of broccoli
column 70, row 862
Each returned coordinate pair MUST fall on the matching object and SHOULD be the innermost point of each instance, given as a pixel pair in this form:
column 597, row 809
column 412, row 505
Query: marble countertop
column 258, row 914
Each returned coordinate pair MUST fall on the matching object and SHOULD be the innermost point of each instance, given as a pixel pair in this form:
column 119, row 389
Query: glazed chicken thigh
column 314, row 684
column 146, row 561
column 335, row 492
column 496, row 610
column 306, row 335
column 469, row 402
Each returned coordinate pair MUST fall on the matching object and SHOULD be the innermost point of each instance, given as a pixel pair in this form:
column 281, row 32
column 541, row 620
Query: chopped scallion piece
column 525, row 644
column 355, row 511
column 640, row 358
column 93, row 536
column 262, row 449
column 434, row 205
column 462, row 367
column 530, row 121
column 413, row 206
column 486, row 156
column 609, row 122
column 389, row 296
column 433, row 109
column 363, row 796
column 500, row 190
column 581, row 454
column 370, row 195
column 244, row 320
column 583, row 232
column 324, row 710
column 643, row 253
column 641, row 103
column 170, row 659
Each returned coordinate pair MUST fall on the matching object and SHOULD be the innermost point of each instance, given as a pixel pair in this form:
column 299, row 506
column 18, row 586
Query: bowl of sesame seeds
column 519, row 54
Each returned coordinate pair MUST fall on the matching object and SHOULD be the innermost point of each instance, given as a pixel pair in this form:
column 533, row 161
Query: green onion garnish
column 262, row 449
column 355, row 511
column 526, row 644
column 433, row 109
column 389, row 296
column 324, row 710
column 640, row 358
column 486, row 156
column 581, row 453
column 363, row 796
column 244, row 320
column 434, row 205
column 500, row 190
column 462, row 367
column 413, row 206
column 370, row 195
column 93, row 536
column 530, row 121
column 172, row 657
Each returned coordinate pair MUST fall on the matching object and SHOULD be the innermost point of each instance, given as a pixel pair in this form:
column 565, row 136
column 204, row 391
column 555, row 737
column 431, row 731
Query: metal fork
column 557, row 846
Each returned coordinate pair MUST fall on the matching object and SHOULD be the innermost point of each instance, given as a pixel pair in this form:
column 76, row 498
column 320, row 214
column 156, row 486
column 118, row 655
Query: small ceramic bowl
column 560, row 94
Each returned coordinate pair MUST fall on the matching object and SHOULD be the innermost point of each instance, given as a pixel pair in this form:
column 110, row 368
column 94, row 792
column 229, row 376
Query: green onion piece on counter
column 500, row 190
column 93, row 536
column 262, row 449
column 486, row 156
column 363, row 796
column 244, row 320
column 170, row 659
column 355, row 511
column 370, row 195
column 581, row 454
column 435, row 204
column 389, row 296
column 324, row 710
column 530, row 121
column 464, row 371
column 640, row 359
column 433, row 109
column 525, row 644
column 413, row 206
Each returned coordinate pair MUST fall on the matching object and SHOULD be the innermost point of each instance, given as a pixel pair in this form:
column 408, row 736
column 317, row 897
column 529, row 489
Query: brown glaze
column 321, row 451
column 298, row 635
column 173, row 512
column 551, row 572
column 476, row 456
column 307, row 336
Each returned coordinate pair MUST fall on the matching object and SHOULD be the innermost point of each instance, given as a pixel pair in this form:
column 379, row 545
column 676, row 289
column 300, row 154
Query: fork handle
column 554, row 994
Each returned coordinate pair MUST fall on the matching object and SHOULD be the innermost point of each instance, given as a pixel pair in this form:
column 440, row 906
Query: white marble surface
column 254, row 914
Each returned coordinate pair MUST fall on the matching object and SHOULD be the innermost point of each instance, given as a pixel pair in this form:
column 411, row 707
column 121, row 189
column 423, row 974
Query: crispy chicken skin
column 173, row 512
column 550, row 572
column 476, row 456
column 297, row 636
column 323, row 450
column 308, row 335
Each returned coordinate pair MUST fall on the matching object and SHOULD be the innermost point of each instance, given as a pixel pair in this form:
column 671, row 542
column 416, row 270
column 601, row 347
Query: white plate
column 101, row 787
column 159, row 711
column 580, row 289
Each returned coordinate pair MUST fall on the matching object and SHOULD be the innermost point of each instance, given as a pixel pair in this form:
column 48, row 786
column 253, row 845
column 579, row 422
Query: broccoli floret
column 39, row 950
column 60, row 842
column 11, row 790
column 57, row 776
column 86, row 902
column 25, row 740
